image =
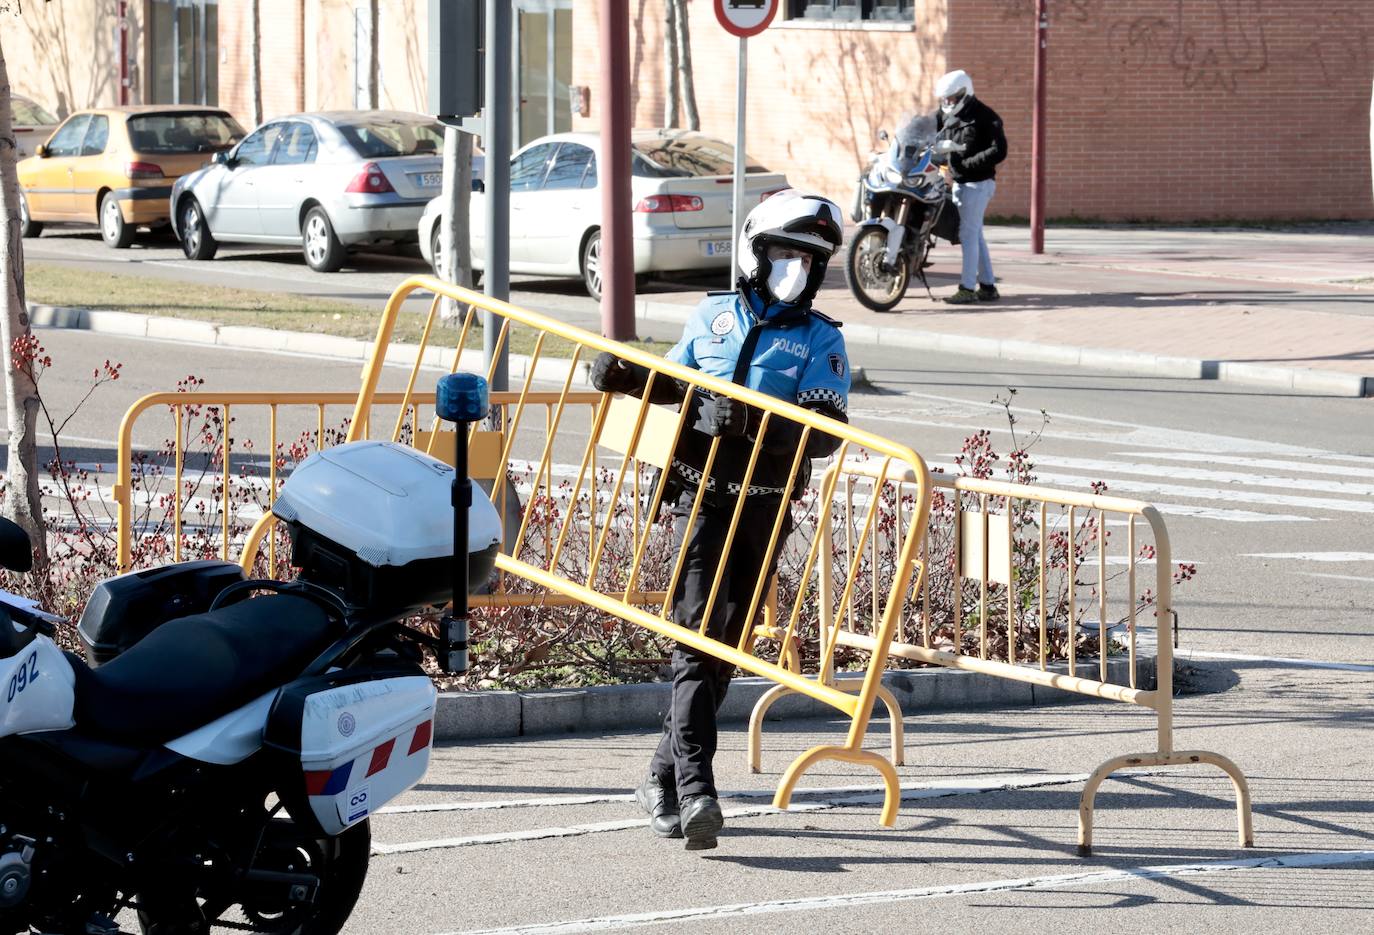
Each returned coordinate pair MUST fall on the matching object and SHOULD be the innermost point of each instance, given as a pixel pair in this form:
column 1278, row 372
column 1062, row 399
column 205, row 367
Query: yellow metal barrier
column 646, row 435
column 609, row 508
column 991, row 534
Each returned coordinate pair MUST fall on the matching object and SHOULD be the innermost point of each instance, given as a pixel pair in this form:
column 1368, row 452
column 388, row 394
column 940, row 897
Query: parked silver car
column 32, row 125
column 324, row 181
column 680, row 194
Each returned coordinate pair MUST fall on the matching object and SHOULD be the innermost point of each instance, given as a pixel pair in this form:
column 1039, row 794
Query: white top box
column 386, row 502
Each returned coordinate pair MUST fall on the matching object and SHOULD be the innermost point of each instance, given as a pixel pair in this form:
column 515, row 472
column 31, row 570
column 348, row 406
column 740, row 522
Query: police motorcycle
column 901, row 204
column 217, row 755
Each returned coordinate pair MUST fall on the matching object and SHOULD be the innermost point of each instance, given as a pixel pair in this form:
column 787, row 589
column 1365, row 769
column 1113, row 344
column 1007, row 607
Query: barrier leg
column 756, row 725
column 1244, row 818
column 894, row 716
column 892, row 798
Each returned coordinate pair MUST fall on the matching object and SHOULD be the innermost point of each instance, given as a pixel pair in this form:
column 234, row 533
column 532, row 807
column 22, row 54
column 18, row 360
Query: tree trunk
column 373, row 57
column 455, row 234
column 22, row 502
column 684, row 58
column 670, row 83
column 255, row 63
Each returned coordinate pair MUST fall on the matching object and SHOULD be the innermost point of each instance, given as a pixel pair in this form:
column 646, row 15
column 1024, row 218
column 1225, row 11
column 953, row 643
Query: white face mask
column 787, row 278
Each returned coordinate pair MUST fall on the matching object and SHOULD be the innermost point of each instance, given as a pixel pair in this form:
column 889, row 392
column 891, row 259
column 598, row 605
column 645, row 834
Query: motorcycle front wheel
column 339, row 863
column 874, row 286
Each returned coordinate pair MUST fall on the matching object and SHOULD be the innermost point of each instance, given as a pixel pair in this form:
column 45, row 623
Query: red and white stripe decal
column 318, row 782
column 420, row 741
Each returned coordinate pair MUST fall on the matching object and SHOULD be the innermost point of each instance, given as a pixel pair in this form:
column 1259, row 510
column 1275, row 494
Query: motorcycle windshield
column 909, row 151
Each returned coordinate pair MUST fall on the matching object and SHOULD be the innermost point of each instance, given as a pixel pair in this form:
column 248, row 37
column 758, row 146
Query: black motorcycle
column 215, row 759
column 901, row 205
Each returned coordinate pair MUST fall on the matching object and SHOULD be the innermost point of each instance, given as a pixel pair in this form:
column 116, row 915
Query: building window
column 183, row 51
column 851, row 10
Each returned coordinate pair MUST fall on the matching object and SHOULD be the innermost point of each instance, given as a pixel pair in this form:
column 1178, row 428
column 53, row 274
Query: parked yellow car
column 114, row 167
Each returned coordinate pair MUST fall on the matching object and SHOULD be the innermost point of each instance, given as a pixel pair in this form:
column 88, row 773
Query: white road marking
column 1303, row 467
column 973, row 785
column 1214, row 493
column 1144, row 436
column 1147, row 645
column 842, row 901
column 1220, row 514
column 1172, row 472
column 909, row 791
column 1315, row 556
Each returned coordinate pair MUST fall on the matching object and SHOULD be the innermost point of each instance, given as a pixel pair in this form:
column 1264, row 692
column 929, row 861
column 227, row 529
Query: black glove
column 721, row 415
column 610, row 374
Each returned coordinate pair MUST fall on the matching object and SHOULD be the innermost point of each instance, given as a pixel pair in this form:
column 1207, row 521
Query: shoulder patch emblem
column 837, row 365
column 723, row 323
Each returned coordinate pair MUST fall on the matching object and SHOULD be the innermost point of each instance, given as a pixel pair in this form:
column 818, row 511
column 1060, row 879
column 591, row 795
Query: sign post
column 742, row 18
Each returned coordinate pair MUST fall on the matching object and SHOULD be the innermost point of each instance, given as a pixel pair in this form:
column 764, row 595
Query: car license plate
column 715, row 247
column 429, row 179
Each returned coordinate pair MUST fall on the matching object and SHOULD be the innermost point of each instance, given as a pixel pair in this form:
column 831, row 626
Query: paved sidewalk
column 1281, row 308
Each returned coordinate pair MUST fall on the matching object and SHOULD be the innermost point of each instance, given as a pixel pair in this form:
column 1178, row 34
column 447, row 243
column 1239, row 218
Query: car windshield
column 183, row 132
column 29, row 114
column 372, row 139
column 686, row 156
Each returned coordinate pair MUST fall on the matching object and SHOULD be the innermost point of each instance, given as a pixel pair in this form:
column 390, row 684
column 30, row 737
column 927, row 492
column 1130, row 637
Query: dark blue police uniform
column 786, row 351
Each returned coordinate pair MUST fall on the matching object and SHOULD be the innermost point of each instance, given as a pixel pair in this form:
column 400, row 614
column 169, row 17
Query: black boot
column 701, row 821
column 660, row 805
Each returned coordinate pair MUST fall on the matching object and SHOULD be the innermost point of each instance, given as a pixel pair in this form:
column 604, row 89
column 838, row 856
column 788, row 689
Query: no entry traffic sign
column 746, row 18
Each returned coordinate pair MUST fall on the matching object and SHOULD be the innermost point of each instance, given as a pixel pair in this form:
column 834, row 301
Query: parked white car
column 324, row 182
column 32, row 125
column 680, row 190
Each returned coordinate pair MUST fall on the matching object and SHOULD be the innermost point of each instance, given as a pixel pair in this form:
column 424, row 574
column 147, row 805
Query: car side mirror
column 16, row 551
column 41, row 150
column 222, row 158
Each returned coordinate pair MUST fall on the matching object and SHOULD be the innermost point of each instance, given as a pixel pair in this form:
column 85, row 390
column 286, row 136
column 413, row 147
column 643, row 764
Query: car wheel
column 113, row 228
column 323, row 251
column 435, row 252
column 28, row 227
column 591, row 265
column 196, row 240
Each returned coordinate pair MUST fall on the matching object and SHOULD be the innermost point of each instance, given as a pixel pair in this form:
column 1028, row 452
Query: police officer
column 764, row 335
column 971, row 142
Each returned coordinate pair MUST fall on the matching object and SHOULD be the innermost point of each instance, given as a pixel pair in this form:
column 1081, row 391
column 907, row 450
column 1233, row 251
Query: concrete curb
column 1134, row 363
column 497, row 714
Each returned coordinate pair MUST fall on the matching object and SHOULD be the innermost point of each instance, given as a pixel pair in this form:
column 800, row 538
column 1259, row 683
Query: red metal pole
column 617, row 257
column 1037, row 218
column 123, row 27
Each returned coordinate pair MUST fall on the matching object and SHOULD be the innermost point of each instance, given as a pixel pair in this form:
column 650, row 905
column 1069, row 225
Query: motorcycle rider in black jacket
column 971, row 143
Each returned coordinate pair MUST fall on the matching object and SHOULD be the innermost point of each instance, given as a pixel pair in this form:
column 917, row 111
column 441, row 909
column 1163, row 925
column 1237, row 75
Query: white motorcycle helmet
column 796, row 219
column 953, row 91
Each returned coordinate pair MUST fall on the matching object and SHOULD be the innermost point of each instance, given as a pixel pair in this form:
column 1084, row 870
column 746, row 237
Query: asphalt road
column 1268, row 494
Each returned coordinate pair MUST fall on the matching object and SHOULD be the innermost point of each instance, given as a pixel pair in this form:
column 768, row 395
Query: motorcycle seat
column 194, row 669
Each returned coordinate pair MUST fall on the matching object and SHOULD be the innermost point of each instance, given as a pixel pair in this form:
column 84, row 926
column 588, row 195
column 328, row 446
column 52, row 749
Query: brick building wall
column 1181, row 109
column 817, row 97
column 282, row 29
column 64, row 55
column 1159, row 109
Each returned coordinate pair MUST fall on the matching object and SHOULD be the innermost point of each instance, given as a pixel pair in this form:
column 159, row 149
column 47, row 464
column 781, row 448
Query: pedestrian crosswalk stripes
column 1299, row 466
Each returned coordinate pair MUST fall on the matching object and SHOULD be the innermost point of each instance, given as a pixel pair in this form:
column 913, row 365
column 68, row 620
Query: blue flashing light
column 462, row 397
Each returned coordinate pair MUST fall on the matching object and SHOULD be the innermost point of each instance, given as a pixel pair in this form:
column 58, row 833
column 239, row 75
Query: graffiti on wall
column 1058, row 11
column 1344, row 48
column 1211, row 45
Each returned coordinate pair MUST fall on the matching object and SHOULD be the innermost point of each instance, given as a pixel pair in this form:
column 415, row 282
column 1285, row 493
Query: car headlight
column 893, row 176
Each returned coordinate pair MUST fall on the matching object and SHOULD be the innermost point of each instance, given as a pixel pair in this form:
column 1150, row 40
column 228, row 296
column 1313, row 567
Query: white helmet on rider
column 792, row 219
column 953, row 90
